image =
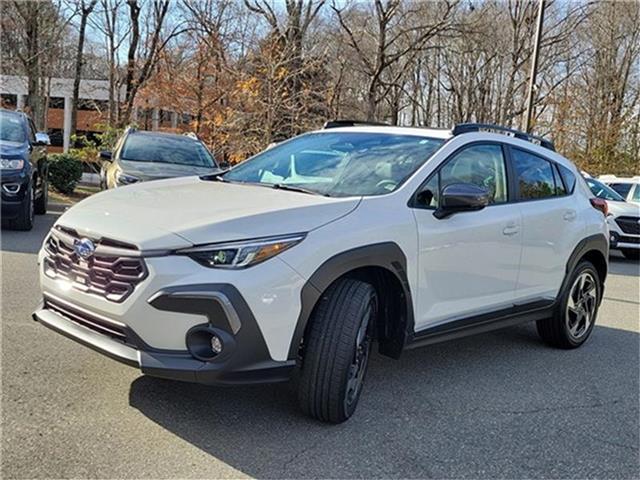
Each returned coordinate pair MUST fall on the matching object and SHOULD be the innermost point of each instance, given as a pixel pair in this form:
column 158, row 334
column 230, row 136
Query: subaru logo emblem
column 84, row 248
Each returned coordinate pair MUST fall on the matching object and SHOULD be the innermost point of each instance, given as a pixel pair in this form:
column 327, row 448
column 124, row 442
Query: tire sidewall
column 349, row 409
column 582, row 267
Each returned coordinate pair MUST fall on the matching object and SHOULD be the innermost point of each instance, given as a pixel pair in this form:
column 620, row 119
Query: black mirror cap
column 461, row 197
column 224, row 165
column 105, row 155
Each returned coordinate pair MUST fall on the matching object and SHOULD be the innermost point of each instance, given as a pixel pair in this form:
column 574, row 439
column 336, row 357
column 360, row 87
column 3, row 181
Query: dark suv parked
column 23, row 170
column 140, row 156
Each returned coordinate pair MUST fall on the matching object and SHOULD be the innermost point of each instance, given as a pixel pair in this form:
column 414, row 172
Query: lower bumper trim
column 168, row 365
column 100, row 343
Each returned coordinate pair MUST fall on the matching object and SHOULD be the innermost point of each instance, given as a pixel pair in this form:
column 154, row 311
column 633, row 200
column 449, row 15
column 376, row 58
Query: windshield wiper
column 292, row 188
column 214, row 176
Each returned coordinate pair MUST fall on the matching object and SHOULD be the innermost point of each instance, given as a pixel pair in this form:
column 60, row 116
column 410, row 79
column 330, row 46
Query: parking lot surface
column 496, row 405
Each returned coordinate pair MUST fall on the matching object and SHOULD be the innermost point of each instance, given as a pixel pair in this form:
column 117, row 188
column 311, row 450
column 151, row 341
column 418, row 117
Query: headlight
column 241, row 254
column 6, row 164
column 124, row 179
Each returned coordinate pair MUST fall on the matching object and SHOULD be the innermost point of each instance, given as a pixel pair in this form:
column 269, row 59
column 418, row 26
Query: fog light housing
column 208, row 343
column 613, row 239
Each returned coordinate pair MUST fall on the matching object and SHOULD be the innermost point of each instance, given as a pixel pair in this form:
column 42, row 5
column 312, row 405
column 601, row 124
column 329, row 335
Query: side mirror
column 461, row 197
column 42, row 139
column 224, row 164
column 105, row 155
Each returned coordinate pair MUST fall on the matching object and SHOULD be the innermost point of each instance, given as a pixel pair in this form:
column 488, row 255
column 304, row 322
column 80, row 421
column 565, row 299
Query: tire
column 336, row 351
column 574, row 317
column 631, row 254
column 24, row 220
column 41, row 203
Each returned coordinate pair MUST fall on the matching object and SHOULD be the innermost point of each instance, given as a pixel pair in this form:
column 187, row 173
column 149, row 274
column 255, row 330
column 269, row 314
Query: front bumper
column 12, row 200
column 620, row 240
column 244, row 359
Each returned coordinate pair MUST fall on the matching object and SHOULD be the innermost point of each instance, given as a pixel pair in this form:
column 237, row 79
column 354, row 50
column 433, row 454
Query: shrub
column 65, row 171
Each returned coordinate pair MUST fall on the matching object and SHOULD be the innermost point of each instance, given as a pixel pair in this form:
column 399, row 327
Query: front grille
column 625, row 239
column 629, row 225
column 112, row 276
column 105, row 327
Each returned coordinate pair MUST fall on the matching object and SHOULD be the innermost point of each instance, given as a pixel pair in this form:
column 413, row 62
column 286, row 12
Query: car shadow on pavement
column 500, row 404
column 30, row 242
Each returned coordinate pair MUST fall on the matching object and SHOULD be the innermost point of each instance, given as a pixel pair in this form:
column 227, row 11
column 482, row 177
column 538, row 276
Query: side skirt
column 463, row 327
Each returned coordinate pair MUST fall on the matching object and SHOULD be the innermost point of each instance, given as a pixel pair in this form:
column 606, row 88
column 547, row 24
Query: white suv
column 301, row 257
column 623, row 219
column 628, row 188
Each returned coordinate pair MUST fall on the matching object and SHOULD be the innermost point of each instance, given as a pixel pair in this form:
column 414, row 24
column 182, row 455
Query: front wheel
column 40, row 205
column 24, row 219
column 631, row 254
column 574, row 317
column 336, row 350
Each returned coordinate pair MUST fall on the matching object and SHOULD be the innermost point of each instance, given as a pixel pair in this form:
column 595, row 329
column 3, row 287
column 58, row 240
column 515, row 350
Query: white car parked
column 623, row 219
column 304, row 255
column 628, row 188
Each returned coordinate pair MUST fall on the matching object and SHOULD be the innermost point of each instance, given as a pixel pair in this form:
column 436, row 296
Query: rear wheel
column 336, row 351
column 574, row 318
column 631, row 254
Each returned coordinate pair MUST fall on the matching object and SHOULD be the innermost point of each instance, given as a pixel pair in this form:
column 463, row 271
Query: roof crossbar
column 351, row 123
column 461, row 128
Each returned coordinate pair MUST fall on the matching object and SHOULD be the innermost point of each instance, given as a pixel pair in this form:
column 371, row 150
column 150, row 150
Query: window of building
column 9, row 101
column 56, row 137
column 56, row 102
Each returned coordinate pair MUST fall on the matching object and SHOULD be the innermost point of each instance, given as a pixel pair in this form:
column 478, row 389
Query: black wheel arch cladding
column 387, row 256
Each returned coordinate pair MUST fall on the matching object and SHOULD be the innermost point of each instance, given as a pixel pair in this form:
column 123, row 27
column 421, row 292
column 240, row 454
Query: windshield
column 166, row 149
column 11, row 128
column 622, row 188
column 339, row 163
column 600, row 190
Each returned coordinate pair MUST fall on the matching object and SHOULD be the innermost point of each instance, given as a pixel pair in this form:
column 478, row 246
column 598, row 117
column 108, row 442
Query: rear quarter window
column 568, row 178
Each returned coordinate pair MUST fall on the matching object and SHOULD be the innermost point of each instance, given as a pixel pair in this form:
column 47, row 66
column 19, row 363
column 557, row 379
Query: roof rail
column 351, row 123
column 461, row 128
column 191, row 135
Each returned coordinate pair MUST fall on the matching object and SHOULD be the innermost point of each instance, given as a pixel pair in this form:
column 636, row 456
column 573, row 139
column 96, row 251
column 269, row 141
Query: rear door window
column 534, row 176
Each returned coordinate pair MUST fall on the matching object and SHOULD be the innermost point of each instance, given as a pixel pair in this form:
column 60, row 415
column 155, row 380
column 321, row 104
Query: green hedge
column 65, row 171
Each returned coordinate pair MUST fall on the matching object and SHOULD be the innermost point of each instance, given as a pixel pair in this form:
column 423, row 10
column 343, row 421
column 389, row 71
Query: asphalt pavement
column 499, row 405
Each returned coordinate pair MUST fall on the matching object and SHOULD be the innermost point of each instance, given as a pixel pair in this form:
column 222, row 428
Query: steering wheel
column 386, row 184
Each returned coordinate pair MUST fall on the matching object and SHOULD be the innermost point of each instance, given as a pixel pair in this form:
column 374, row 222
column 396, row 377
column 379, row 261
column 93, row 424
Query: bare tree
column 85, row 8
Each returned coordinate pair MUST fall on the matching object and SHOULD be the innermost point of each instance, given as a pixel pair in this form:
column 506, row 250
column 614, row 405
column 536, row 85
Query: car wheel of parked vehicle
column 336, row 350
column 42, row 202
column 24, row 220
column 575, row 316
column 631, row 254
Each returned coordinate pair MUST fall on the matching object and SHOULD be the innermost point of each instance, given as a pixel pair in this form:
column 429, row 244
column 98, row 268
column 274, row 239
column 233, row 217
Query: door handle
column 510, row 229
column 569, row 215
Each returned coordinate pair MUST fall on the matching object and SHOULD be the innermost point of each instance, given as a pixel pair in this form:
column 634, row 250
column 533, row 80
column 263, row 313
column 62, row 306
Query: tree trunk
column 85, row 11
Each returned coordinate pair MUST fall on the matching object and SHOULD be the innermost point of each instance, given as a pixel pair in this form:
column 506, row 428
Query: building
column 93, row 108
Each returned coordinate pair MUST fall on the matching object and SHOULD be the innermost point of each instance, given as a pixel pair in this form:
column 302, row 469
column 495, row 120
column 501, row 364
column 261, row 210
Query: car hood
column 623, row 208
column 187, row 211
column 12, row 149
column 159, row 170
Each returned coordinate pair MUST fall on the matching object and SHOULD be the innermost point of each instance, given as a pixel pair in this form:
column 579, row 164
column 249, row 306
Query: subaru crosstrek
column 302, row 257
